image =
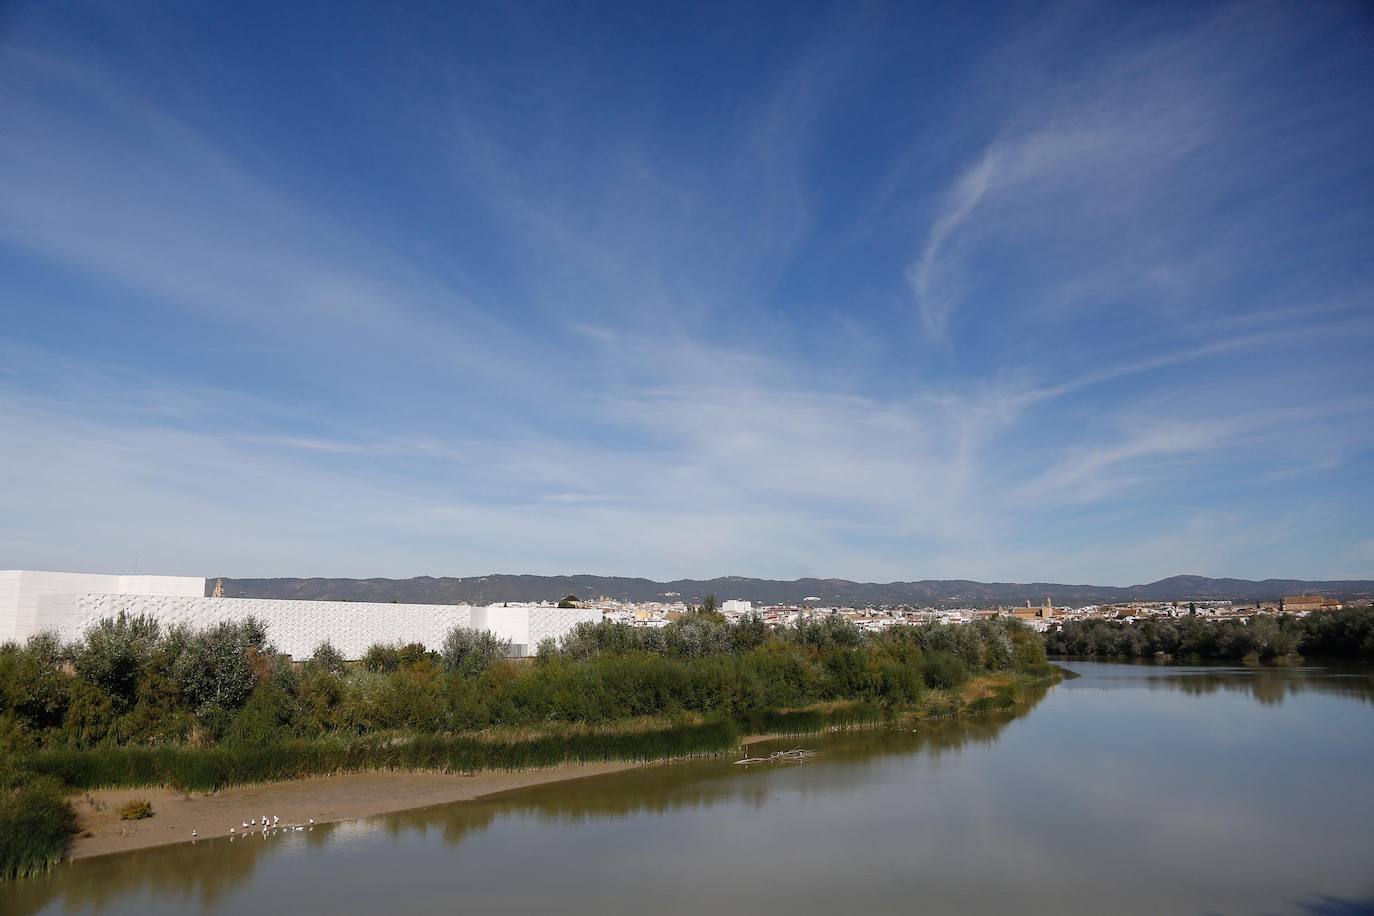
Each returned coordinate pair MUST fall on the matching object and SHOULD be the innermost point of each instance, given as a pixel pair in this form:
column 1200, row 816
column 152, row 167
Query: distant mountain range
column 842, row 592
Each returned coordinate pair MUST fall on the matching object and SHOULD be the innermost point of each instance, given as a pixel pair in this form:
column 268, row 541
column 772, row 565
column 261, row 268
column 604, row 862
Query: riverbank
column 324, row 799
column 346, row 796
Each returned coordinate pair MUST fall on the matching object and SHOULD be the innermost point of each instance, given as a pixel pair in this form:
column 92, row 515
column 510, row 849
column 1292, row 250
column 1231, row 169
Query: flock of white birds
column 267, row 824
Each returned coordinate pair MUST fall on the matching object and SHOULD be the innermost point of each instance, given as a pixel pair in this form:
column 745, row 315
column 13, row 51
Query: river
column 1130, row 789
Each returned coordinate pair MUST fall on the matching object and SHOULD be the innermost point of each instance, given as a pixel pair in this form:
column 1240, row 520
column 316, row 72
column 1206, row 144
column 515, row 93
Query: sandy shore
column 325, row 799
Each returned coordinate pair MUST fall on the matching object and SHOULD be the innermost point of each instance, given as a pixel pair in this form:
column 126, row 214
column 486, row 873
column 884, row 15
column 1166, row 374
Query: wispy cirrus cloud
column 468, row 318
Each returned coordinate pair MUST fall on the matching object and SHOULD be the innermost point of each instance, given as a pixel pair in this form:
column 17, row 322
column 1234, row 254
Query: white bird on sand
column 312, row 822
column 193, row 833
column 274, row 820
column 231, row 829
column 254, row 822
column 245, row 825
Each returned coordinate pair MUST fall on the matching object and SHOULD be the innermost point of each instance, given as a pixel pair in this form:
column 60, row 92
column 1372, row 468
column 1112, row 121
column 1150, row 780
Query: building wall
column 70, row 603
column 526, row 625
column 294, row 627
column 299, row 627
column 31, row 600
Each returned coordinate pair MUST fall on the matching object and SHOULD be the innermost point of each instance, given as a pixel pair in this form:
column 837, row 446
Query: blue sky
column 998, row 291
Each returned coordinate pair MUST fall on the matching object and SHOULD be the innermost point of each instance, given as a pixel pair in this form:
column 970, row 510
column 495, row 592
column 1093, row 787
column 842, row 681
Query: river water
column 1131, row 789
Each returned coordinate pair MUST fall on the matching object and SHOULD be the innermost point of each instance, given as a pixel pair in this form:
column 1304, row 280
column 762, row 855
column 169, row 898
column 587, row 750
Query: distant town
column 1040, row 616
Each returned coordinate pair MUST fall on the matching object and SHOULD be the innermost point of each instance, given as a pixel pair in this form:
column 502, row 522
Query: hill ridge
column 507, row 587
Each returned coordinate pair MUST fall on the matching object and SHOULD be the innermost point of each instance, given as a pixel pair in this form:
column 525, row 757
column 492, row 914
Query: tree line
column 131, row 682
column 132, row 703
column 1345, row 633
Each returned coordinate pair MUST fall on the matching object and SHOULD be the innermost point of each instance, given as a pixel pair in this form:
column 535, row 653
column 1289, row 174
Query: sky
column 1058, row 292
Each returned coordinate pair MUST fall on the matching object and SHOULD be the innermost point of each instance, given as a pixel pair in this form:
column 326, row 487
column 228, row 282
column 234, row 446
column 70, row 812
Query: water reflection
column 1131, row 789
column 1268, row 685
column 200, row 876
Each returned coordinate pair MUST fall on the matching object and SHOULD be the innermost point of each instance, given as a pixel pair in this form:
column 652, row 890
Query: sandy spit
column 323, row 798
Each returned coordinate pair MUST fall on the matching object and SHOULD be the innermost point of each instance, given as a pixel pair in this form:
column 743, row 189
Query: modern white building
column 32, row 601
column 69, row 603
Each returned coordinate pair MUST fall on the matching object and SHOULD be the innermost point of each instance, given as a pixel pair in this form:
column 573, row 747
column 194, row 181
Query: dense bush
column 131, row 686
column 135, row 809
column 36, row 827
column 1347, row 633
column 217, row 669
column 470, row 652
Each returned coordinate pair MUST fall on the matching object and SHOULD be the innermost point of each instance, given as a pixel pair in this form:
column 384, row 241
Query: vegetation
column 36, row 828
column 133, row 704
column 136, row 809
column 1347, row 633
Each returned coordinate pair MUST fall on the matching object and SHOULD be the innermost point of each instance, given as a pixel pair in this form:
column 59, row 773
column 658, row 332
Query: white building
column 735, row 606
column 32, row 601
column 68, row 603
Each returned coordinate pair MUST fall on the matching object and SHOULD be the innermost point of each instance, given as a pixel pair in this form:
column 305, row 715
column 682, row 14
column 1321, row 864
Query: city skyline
column 983, row 292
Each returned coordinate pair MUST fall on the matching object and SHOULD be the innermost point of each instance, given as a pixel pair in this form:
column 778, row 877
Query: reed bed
column 36, row 828
column 801, row 722
column 212, row 768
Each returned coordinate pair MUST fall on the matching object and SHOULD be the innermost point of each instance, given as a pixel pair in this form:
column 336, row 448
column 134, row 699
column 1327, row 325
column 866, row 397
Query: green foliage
column 36, row 827
column 136, row 809
column 829, row 632
column 33, row 686
column 387, row 658
column 216, row 669
column 327, row 659
column 114, row 654
column 944, row 670
column 220, row 707
column 210, row 769
column 269, row 716
column 749, row 633
column 1347, row 633
column 470, row 652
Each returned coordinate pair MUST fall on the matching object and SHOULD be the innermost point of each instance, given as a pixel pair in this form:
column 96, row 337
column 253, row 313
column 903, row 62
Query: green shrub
column 135, row 809
column 944, row 671
column 327, row 659
column 113, row 654
column 470, row 652
column 36, row 828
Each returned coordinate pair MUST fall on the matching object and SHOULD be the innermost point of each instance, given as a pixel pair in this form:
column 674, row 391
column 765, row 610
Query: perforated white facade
column 294, row 627
column 70, row 603
column 33, row 600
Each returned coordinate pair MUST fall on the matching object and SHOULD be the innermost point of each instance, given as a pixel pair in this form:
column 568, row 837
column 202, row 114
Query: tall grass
column 208, row 769
column 796, row 722
column 36, row 827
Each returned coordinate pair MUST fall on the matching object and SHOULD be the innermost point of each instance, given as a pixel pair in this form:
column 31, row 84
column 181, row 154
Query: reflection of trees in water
column 1270, row 686
column 200, row 876
column 845, row 757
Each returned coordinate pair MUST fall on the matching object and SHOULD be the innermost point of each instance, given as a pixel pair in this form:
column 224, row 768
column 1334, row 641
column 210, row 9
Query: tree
column 327, row 658
column 750, row 632
column 470, row 652
column 114, row 653
column 216, row 670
